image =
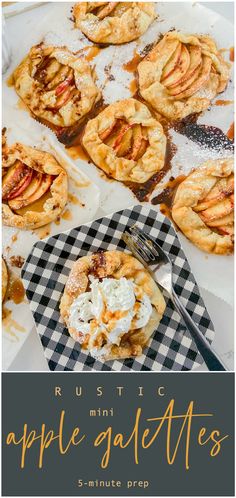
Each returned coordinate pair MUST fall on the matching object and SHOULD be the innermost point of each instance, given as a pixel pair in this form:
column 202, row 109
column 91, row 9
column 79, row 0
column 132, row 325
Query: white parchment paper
column 54, row 26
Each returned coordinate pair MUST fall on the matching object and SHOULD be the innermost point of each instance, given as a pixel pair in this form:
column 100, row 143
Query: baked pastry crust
column 4, row 279
column 114, row 264
column 57, row 86
column 113, row 22
column 134, row 156
column 182, row 74
column 203, row 206
column 41, row 162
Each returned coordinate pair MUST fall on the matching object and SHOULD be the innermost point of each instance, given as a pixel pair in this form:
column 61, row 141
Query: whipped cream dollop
column 111, row 308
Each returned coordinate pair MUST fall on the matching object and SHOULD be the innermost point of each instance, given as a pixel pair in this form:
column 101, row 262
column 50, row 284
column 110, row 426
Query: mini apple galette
column 57, row 86
column 113, row 22
column 126, row 142
column 203, row 206
column 111, row 305
column 182, row 74
column 34, row 187
column 4, row 279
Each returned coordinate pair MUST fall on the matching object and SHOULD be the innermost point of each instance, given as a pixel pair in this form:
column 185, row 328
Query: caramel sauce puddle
column 230, row 132
column 223, row 102
column 92, row 52
column 10, row 325
column 166, row 197
column 15, row 289
column 131, row 66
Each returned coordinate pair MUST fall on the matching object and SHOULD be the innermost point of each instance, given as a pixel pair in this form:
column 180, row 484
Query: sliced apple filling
column 22, row 186
column 34, row 187
column 126, row 142
column 182, row 74
column 113, row 22
column 57, row 85
column 57, row 79
column 104, row 9
column 217, row 209
column 203, row 206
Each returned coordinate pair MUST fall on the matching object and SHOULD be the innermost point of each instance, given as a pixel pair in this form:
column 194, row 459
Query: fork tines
column 143, row 244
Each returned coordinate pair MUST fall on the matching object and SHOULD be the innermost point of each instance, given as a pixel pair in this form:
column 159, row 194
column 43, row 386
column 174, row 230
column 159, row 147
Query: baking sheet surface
column 53, row 25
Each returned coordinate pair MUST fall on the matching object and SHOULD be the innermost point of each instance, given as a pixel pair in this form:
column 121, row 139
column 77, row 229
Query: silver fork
column 152, row 256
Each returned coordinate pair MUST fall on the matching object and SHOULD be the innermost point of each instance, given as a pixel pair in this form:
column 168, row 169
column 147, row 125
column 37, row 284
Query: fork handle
column 211, row 359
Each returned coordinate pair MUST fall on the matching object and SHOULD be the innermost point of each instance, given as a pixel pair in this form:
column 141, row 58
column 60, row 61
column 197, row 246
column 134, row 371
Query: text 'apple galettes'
column 126, row 142
column 34, row 186
column 111, row 305
column 203, row 207
column 57, row 86
column 182, row 74
column 113, row 22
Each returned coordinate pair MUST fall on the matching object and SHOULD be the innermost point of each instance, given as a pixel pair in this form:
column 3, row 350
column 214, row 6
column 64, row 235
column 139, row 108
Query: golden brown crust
column 113, row 22
column 42, row 162
column 182, row 74
column 115, row 264
column 4, row 279
column 203, row 206
column 38, row 81
column 137, row 120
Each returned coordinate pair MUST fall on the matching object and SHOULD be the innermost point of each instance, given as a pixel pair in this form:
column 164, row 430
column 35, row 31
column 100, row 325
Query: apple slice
column 219, row 210
column 200, row 81
column 142, row 149
column 19, row 202
column 195, row 55
column 51, row 71
column 137, row 141
column 226, row 229
column 179, row 70
column 64, row 84
column 22, row 185
column 191, row 74
column 125, row 144
column 172, row 62
column 59, row 77
column 121, row 134
column 37, row 194
column 64, row 98
column 14, row 175
column 181, row 87
column 105, row 11
column 105, row 133
column 222, row 189
column 225, row 220
column 43, row 188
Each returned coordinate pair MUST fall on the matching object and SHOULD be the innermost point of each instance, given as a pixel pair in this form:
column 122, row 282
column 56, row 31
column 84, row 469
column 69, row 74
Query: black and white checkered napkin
column 47, row 268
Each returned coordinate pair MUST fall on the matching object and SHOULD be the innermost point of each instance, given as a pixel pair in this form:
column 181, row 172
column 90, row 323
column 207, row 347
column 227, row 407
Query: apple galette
column 126, row 142
column 34, row 187
column 203, row 206
column 57, row 86
column 182, row 74
column 111, row 305
column 4, row 279
column 113, row 22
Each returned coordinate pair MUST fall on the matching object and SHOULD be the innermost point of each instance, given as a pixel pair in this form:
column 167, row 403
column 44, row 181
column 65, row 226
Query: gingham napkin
column 47, row 268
